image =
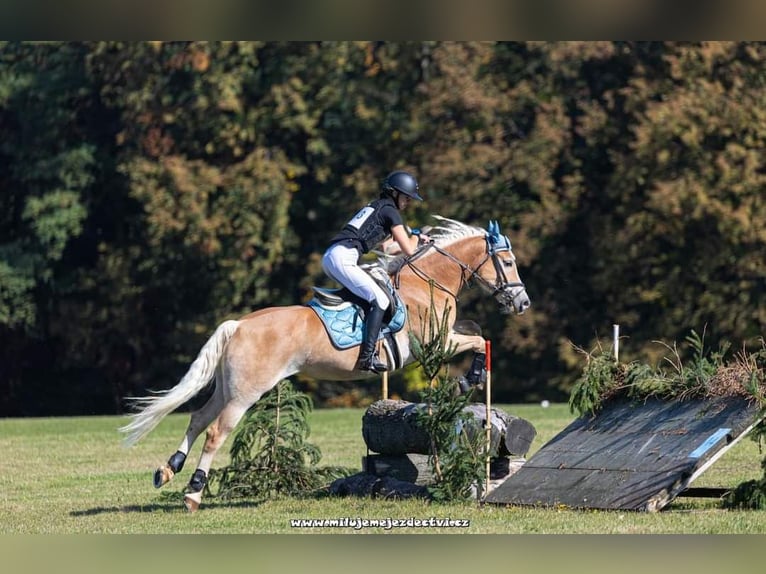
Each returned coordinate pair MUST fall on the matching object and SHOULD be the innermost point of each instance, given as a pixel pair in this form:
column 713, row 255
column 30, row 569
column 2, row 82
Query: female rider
column 375, row 223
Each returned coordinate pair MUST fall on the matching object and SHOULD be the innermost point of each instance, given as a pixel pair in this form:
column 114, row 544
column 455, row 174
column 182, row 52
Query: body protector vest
column 371, row 225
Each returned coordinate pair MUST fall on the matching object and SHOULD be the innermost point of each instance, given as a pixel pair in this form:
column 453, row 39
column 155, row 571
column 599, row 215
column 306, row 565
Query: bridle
column 502, row 289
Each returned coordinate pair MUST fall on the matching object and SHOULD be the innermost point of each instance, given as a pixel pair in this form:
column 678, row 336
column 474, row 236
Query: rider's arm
column 407, row 243
column 390, row 247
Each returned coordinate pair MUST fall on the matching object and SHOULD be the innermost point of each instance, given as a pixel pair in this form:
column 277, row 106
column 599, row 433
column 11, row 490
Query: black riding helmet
column 402, row 182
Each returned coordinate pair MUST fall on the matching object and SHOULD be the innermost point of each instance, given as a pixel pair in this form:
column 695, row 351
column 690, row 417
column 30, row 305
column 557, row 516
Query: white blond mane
column 445, row 233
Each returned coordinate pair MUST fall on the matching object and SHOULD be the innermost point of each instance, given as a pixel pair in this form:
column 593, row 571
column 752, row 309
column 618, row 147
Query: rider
column 375, row 223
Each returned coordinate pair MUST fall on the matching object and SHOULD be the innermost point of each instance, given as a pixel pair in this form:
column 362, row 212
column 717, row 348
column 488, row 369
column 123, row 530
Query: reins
column 410, row 262
column 501, row 283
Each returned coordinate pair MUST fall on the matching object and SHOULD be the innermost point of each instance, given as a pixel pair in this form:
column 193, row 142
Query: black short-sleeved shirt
column 370, row 225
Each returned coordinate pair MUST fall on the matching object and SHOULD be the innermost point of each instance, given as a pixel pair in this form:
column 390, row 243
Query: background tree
column 149, row 190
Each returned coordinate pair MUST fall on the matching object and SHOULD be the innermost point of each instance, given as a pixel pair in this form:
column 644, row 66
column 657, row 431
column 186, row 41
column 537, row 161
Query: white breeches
column 341, row 264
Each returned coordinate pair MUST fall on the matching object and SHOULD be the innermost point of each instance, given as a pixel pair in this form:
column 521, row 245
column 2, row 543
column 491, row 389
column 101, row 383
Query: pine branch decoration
column 269, row 453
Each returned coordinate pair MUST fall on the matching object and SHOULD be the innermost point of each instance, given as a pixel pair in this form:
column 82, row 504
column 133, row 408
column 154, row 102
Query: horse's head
column 499, row 273
column 482, row 256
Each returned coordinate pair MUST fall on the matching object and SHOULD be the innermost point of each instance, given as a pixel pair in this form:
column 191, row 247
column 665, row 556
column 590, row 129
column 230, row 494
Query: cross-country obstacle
column 399, row 448
column 631, row 455
column 397, row 463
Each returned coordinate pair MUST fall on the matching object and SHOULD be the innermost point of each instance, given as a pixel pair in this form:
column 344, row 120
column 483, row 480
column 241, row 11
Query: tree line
column 150, row 190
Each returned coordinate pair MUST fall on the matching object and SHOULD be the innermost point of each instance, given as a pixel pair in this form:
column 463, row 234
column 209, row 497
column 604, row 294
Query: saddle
column 343, row 313
column 334, row 298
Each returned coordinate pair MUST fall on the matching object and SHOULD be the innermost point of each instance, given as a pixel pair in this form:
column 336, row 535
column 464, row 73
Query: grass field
column 72, row 475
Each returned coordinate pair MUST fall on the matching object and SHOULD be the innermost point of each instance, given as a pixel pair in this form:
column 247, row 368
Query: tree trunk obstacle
column 398, row 464
column 390, row 427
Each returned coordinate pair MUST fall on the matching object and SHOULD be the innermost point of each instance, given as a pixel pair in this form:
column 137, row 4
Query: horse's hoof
column 192, row 501
column 162, row 476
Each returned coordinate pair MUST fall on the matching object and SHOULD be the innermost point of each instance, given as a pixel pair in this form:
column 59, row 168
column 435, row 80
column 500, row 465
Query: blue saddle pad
column 344, row 322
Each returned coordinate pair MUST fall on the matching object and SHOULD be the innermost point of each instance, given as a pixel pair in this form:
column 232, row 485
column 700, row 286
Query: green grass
column 72, row 475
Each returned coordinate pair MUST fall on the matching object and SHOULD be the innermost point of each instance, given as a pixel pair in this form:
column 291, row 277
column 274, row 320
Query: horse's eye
column 508, row 263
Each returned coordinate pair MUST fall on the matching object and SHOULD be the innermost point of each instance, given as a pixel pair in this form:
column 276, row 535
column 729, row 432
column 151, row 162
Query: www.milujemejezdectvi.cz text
column 385, row 523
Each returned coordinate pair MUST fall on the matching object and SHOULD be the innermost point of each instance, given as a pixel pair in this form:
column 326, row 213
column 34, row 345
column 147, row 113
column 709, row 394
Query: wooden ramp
column 630, row 455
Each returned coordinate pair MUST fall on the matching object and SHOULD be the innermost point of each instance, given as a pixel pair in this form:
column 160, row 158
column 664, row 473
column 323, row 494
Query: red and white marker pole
column 488, row 391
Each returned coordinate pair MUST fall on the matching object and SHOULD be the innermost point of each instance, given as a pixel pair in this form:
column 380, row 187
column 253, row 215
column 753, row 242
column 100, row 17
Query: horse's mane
column 446, row 232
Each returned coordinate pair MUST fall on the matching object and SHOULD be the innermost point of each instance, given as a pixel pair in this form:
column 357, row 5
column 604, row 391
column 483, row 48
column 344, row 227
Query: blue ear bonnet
column 495, row 241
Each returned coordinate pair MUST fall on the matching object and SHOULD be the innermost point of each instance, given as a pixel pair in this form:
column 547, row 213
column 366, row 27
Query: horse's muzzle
column 513, row 298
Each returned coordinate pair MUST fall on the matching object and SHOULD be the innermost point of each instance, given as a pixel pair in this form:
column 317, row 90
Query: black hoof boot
column 476, row 373
column 198, row 481
column 463, row 385
column 165, row 474
column 176, row 462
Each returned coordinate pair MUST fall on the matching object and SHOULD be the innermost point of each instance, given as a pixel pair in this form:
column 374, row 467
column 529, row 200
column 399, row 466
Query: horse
column 247, row 357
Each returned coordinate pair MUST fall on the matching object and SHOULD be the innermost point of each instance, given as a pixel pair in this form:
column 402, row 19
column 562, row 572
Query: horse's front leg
column 462, row 342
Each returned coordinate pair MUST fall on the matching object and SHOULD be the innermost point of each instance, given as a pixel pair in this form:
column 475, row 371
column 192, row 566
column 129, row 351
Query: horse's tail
column 153, row 409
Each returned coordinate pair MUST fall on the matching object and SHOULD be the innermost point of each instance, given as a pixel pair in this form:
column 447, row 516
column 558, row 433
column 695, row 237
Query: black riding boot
column 368, row 358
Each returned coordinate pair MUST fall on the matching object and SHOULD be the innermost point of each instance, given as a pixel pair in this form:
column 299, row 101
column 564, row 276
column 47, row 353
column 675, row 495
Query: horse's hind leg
column 253, row 364
column 216, row 436
column 199, row 421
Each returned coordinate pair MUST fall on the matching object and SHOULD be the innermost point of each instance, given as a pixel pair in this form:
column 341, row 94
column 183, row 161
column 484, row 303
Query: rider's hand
column 422, row 237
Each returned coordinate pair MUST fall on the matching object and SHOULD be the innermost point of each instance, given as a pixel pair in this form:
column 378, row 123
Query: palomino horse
column 249, row 356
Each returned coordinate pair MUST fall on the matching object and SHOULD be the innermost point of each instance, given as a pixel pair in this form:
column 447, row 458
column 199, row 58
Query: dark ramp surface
column 632, row 455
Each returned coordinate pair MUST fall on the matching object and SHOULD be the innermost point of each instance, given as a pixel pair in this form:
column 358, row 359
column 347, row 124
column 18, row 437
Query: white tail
column 199, row 375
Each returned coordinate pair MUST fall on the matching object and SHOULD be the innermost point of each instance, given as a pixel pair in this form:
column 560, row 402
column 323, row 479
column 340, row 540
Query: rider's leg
column 368, row 357
column 340, row 263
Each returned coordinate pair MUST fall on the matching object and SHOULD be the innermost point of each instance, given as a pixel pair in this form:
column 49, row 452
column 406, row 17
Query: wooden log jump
column 390, row 427
column 416, row 468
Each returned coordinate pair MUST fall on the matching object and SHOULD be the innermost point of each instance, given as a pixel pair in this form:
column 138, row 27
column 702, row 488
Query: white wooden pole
column 384, row 379
column 616, row 340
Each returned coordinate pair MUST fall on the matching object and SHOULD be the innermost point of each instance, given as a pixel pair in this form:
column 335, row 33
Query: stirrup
column 373, row 363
